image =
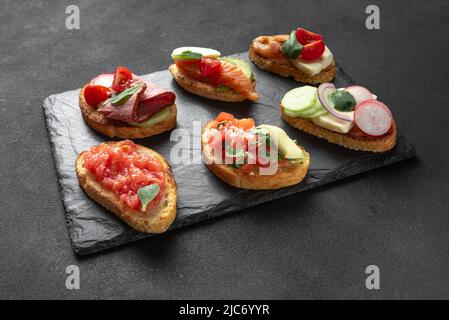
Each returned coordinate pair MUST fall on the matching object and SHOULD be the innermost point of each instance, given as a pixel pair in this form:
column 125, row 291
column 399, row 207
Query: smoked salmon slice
column 233, row 77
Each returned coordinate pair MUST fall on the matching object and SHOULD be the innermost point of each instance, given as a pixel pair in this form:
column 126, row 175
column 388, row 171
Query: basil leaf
column 223, row 88
column 343, row 100
column 187, row 55
column 291, row 48
column 147, row 194
column 123, row 96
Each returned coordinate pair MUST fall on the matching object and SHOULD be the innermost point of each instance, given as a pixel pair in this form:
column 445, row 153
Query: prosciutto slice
column 141, row 105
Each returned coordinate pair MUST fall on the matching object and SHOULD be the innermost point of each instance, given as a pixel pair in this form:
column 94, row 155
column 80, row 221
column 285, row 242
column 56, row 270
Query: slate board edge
column 56, row 166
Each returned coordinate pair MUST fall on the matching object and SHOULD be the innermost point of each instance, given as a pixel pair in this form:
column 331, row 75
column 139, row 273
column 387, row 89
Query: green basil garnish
column 343, row 100
column 292, row 48
column 123, row 96
column 147, row 194
column 187, row 55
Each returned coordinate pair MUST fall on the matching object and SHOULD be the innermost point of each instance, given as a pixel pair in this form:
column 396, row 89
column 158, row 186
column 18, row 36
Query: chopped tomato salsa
column 243, row 147
column 121, row 168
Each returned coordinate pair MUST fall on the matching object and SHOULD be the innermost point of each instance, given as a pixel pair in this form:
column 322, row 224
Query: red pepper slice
column 210, row 70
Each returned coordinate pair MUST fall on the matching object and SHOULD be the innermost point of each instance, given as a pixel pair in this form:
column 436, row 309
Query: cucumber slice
column 316, row 110
column 154, row 119
column 313, row 112
column 299, row 99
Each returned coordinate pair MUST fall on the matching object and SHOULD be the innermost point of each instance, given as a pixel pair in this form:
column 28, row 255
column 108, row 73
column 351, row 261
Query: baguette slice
column 281, row 179
column 156, row 219
column 381, row 144
column 113, row 128
column 289, row 70
column 204, row 89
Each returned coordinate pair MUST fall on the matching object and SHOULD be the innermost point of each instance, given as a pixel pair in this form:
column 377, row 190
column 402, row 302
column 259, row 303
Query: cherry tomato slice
column 312, row 51
column 122, row 78
column 94, row 94
column 210, row 70
column 305, row 37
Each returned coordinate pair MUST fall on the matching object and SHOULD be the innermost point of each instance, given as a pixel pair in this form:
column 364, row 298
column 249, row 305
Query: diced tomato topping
column 210, row 70
column 247, row 168
column 94, row 94
column 121, row 168
column 240, row 145
column 122, row 79
column 224, row 116
column 305, row 37
column 246, row 123
column 313, row 50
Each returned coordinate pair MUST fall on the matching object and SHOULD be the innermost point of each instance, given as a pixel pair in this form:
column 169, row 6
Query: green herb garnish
column 147, row 194
column 123, row 96
column 291, row 48
column 343, row 101
column 223, row 88
column 187, row 55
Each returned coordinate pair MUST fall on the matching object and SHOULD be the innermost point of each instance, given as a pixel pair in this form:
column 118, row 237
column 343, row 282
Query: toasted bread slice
column 289, row 70
column 282, row 178
column 362, row 143
column 113, row 128
column 156, row 219
column 204, row 89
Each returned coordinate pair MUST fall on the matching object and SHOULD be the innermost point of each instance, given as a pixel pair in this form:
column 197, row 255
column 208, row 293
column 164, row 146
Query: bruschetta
column 301, row 55
column 351, row 117
column 203, row 72
column 123, row 105
column 250, row 157
column 134, row 182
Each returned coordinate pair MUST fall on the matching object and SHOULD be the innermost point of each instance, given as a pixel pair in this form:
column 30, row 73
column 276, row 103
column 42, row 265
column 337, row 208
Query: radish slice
column 360, row 93
column 373, row 117
column 104, row 79
column 324, row 91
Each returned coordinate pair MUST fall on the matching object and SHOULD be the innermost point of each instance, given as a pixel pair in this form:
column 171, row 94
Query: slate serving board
column 201, row 195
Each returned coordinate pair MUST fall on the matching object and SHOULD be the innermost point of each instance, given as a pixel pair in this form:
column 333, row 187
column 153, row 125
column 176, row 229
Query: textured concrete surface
column 313, row 245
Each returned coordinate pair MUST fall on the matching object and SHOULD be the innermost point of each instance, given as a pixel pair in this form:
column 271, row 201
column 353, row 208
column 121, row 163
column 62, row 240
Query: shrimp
column 271, row 47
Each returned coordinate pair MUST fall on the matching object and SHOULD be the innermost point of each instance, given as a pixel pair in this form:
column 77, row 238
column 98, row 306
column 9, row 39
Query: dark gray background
column 316, row 244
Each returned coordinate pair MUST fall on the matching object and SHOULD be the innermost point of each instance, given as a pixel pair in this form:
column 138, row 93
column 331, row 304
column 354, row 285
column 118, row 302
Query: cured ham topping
column 120, row 168
column 138, row 107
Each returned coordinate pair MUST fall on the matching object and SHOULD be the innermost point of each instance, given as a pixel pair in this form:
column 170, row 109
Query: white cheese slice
column 332, row 123
column 206, row 52
column 314, row 67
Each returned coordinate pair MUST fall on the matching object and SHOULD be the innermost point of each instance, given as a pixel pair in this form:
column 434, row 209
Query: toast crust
column 113, row 128
column 204, row 89
column 382, row 144
column 285, row 70
column 282, row 178
column 157, row 219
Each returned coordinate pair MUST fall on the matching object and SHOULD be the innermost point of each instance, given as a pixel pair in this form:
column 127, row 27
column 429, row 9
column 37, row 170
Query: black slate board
column 201, row 195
